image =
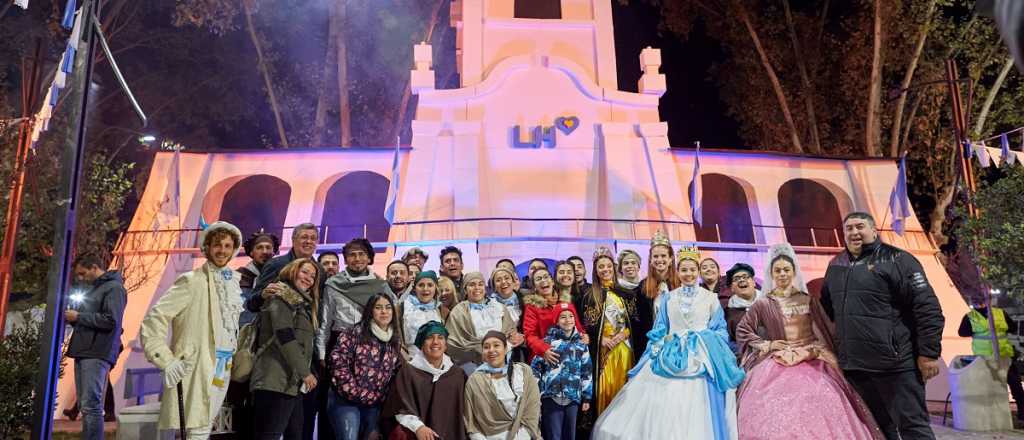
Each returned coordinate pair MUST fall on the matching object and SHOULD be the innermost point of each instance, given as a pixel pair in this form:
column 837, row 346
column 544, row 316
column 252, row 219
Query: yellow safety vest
column 982, row 340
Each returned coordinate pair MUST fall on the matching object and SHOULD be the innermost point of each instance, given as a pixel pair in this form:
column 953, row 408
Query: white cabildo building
column 537, row 154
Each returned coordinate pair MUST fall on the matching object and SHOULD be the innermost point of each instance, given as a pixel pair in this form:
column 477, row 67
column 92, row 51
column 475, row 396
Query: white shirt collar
column 421, row 363
column 738, row 302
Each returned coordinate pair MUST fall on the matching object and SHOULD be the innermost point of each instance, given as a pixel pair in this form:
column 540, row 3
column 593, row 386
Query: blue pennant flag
column 54, row 92
column 67, row 65
column 69, row 15
column 389, row 208
column 202, row 223
column 696, row 193
column 1006, row 157
column 899, row 204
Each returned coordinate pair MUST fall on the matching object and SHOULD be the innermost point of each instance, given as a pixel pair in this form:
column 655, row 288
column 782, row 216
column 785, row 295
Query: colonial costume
column 684, row 385
column 467, row 324
column 425, row 395
column 794, row 388
column 412, row 314
column 502, row 403
column 200, row 312
column 737, row 306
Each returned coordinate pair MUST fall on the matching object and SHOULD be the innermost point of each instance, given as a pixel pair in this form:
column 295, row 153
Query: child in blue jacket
column 566, row 385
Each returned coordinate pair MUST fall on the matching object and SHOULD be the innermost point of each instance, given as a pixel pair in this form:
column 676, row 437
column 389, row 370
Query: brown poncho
column 437, row 404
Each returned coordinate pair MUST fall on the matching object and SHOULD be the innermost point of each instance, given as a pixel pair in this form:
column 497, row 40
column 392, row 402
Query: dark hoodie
column 97, row 332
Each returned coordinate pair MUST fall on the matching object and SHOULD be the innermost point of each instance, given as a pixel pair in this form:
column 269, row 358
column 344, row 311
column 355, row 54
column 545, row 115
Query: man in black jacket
column 95, row 344
column 888, row 327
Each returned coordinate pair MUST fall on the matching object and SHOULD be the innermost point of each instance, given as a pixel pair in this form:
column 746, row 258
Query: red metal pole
column 29, row 96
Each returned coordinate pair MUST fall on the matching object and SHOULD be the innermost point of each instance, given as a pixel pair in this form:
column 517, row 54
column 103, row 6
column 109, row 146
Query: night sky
column 691, row 106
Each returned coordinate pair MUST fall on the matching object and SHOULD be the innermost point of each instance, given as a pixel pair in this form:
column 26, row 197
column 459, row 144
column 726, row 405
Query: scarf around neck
column 383, row 334
column 628, row 284
column 415, row 302
column 508, row 302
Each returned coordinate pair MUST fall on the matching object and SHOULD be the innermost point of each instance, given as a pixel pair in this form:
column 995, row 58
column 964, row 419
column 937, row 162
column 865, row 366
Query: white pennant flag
column 168, row 213
column 22, row 3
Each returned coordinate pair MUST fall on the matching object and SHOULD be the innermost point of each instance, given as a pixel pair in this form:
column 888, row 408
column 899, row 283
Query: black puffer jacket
column 885, row 311
column 97, row 332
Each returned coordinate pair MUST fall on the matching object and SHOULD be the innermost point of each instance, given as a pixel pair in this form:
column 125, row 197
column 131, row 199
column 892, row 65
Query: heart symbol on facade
column 567, row 125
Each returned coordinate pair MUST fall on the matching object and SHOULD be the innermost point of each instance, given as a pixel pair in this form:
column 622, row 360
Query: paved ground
column 947, row 433
column 941, row 432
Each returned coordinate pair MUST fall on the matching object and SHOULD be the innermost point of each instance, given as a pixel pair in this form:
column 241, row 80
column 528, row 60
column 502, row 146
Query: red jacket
column 538, row 317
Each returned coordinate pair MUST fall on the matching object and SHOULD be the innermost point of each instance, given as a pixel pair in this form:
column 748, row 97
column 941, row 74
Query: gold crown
column 603, row 251
column 660, row 239
column 689, row 253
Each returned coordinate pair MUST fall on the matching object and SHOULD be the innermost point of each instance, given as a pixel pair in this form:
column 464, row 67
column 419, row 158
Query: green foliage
column 997, row 235
column 19, row 360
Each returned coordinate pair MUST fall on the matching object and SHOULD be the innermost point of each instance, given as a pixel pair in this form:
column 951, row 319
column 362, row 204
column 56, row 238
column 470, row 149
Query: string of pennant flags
column 72, row 21
column 991, row 156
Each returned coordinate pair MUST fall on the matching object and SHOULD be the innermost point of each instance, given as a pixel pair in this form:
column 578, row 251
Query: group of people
column 680, row 353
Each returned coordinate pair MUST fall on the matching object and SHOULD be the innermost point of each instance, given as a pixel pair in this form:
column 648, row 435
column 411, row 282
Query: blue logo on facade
column 545, row 136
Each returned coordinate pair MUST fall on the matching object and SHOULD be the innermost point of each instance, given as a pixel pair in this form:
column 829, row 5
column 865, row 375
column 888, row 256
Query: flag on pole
column 899, row 204
column 69, row 14
column 169, row 211
column 696, row 197
column 389, row 208
column 1006, row 156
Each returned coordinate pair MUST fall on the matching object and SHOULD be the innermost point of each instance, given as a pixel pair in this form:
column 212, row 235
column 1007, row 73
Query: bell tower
column 489, row 31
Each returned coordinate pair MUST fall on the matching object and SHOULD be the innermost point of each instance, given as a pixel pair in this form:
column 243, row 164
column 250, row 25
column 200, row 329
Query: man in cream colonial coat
column 200, row 313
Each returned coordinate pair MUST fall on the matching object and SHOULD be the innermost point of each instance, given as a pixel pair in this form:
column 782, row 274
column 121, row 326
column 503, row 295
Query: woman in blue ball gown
column 684, row 386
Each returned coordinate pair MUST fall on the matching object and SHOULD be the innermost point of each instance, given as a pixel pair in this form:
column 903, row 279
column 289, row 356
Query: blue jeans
column 351, row 421
column 557, row 422
column 90, row 385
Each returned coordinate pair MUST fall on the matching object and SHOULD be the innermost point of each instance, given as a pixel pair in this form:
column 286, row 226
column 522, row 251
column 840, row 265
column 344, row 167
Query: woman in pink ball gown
column 794, row 389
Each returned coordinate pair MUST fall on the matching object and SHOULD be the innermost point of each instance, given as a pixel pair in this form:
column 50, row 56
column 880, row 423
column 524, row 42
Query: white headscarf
column 798, row 275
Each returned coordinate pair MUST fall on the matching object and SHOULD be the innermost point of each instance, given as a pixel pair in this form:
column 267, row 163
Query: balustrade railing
column 508, row 229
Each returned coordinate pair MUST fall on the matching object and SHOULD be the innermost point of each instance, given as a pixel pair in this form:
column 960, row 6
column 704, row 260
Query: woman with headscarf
column 364, row 361
column 786, row 345
column 502, row 398
column 419, row 308
column 540, row 314
column 506, row 291
column 661, row 278
column 427, row 396
column 684, row 385
column 282, row 372
column 473, row 318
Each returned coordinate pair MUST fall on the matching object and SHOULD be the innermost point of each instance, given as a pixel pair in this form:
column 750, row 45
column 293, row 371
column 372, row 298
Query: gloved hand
column 174, row 373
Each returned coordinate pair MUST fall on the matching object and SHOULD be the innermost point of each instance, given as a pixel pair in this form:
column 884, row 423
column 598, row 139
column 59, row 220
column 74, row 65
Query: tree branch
column 772, row 77
column 991, row 98
column 908, row 77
